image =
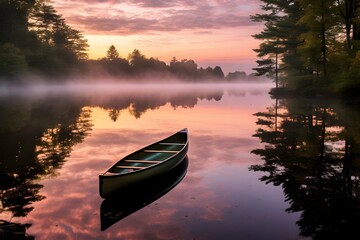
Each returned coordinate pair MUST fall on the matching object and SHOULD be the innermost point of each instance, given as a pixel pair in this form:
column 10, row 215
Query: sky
column 210, row 32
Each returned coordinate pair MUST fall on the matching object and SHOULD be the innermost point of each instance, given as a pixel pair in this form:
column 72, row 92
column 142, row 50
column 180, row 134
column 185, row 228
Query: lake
column 257, row 167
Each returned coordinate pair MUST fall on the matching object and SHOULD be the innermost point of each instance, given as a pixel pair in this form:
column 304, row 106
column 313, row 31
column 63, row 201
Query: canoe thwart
column 175, row 144
column 130, row 167
column 161, row 151
column 142, row 161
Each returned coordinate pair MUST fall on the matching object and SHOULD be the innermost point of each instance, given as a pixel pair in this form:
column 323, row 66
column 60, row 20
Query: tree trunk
column 323, row 38
column 354, row 6
column 276, row 70
column 348, row 21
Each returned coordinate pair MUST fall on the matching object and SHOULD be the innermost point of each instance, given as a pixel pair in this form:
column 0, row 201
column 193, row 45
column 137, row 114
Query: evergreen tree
column 52, row 29
column 14, row 21
column 39, row 38
column 280, row 38
column 12, row 61
column 349, row 11
column 319, row 17
column 112, row 53
column 138, row 62
column 310, row 44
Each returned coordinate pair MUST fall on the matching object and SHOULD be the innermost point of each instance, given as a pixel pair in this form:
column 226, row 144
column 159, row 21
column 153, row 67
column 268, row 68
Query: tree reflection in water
column 37, row 134
column 35, row 139
column 312, row 151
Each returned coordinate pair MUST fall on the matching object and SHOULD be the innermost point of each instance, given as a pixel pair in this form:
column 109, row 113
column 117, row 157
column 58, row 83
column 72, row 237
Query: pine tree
column 112, row 53
column 279, row 37
column 319, row 17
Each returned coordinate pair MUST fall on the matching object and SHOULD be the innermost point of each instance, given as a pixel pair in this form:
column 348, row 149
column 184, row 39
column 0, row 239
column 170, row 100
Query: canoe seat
column 142, row 161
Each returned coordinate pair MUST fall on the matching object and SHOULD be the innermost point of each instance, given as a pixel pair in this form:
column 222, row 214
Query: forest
column 309, row 46
column 35, row 40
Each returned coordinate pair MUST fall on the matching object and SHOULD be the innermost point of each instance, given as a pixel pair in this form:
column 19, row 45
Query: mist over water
column 138, row 97
column 155, row 89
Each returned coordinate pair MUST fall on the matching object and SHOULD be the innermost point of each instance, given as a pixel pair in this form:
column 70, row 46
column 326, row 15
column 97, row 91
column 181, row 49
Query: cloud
column 161, row 3
column 140, row 16
column 118, row 25
column 139, row 3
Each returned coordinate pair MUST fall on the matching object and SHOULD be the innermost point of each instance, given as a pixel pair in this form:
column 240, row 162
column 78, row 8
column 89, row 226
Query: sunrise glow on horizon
column 212, row 32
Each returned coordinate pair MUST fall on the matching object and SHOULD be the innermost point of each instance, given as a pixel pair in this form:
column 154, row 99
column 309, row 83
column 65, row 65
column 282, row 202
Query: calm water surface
column 257, row 168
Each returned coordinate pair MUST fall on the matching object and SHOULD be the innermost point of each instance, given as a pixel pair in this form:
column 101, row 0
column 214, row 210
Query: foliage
column 310, row 44
column 139, row 66
column 12, row 61
column 112, row 53
column 42, row 39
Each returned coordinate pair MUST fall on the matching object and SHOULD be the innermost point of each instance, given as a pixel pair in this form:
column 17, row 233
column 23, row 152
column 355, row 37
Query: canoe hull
column 108, row 185
column 129, row 200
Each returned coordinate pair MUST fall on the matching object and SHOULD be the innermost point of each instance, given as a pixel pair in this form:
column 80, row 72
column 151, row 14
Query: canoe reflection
column 129, row 200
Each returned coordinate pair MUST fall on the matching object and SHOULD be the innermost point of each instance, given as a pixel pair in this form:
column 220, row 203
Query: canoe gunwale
column 143, row 169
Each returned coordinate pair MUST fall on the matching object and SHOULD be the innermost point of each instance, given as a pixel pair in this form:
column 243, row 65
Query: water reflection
column 127, row 201
column 115, row 97
column 40, row 126
column 74, row 138
column 35, row 139
column 312, row 150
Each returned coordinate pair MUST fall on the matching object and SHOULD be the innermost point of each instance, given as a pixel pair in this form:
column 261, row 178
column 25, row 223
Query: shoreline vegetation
column 36, row 44
column 310, row 47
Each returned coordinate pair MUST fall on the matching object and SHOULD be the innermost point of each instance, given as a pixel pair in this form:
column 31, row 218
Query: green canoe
column 150, row 161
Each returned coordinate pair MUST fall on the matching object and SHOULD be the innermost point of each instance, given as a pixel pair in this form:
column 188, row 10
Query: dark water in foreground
column 257, row 168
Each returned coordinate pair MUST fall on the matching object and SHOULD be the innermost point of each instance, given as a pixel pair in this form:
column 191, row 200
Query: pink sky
column 211, row 32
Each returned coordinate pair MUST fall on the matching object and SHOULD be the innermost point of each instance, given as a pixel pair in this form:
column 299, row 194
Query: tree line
column 35, row 39
column 310, row 45
column 137, row 65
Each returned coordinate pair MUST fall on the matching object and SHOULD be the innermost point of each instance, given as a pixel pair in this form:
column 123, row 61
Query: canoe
column 129, row 200
column 145, row 163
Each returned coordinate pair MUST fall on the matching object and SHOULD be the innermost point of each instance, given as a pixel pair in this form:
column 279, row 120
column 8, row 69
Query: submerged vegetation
column 35, row 40
column 310, row 45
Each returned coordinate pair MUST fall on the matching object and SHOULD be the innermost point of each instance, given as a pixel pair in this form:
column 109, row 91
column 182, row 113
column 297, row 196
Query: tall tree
column 279, row 37
column 349, row 11
column 112, row 53
column 62, row 47
column 137, row 59
column 52, row 29
column 320, row 18
column 310, row 44
column 14, row 20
